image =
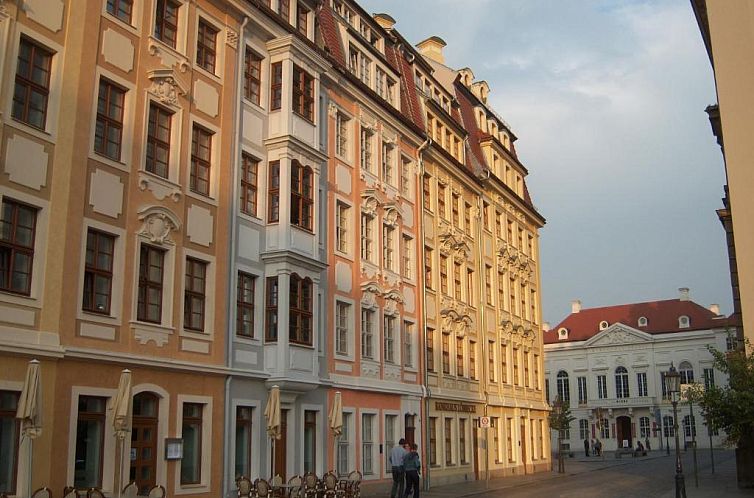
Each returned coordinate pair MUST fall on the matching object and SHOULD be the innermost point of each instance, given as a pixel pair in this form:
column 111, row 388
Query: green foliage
column 560, row 417
column 731, row 408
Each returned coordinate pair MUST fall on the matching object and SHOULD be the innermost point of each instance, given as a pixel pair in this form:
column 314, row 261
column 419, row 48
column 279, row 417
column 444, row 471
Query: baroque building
column 228, row 196
column 608, row 365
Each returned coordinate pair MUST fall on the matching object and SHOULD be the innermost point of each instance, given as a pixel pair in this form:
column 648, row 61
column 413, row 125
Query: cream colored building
column 114, row 150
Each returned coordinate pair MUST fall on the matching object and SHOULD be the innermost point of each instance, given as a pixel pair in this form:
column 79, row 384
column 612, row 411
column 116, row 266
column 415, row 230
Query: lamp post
column 673, row 387
column 667, row 435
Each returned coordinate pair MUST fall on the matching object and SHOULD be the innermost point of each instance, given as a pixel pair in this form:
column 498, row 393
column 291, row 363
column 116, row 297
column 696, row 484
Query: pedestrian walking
column 586, row 447
column 598, row 447
column 396, row 463
column 412, row 466
column 646, row 441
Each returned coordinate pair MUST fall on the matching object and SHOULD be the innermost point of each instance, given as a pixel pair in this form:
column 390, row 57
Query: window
column 276, row 85
column 367, row 443
column 342, row 312
column 32, row 84
column 428, row 282
column 444, row 274
column 158, row 140
column 341, row 227
column 472, row 360
column 641, row 380
column 509, row 438
column 430, row 349
column 495, row 429
column 526, row 368
column 252, row 81
column 427, row 191
column 206, row 46
column 303, row 93
column 201, row 151
column 166, row 21
column 366, row 149
column 605, row 428
column 488, row 283
column 582, row 390
column 310, row 440
column 709, row 378
column 470, row 287
column 448, row 441
column 467, row 218
column 388, row 235
column 644, row 430
column 445, row 353
column 459, row 356
column 302, row 195
column 108, row 133
column 457, row 281
column 273, row 186
column 433, row 440
column 500, row 290
column 583, row 428
column 98, row 272
column 122, row 9
column 342, row 124
column 388, row 164
column 151, row 269
column 406, row 178
column 191, row 468
column 564, row 390
column 365, row 66
column 10, row 431
column 367, row 333
column 536, row 372
column 408, row 344
column 491, row 366
column 284, row 9
column 486, row 218
column 687, row 372
column 503, row 363
column 516, row 378
column 547, row 390
column 367, row 232
column 271, row 310
column 389, row 338
column 90, row 442
column 667, row 426
column 243, row 440
column 407, row 256
column 441, row 208
column 602, row 387
column 194, row 296
column 302, row 15
column 390, row 421
column 344, row 445
column 249, row 182
column 245, row 305
column 300, row 329
column 462, row 441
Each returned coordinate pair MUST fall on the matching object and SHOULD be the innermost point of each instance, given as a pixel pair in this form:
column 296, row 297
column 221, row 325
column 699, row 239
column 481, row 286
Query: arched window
column 621, row 382
column 683, row 322
column 300, row 327
column 564, row 390
column 687, row 372
column 302, row 195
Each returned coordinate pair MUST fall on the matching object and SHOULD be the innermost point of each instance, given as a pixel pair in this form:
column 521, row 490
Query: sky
column 607, row 100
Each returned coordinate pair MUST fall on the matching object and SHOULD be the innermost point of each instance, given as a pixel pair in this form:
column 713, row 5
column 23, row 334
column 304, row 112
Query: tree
column 560, row 419
column 731, row 407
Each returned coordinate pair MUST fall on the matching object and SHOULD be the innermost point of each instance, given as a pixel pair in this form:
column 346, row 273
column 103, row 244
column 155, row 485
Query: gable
column 618, row 334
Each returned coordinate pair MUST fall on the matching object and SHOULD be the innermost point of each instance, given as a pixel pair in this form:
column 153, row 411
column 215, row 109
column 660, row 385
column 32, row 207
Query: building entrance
column 623, row 431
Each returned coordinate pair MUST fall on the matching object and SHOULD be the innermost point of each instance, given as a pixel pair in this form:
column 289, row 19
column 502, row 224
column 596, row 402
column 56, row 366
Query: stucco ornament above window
column 157, row 224
column 166, row 87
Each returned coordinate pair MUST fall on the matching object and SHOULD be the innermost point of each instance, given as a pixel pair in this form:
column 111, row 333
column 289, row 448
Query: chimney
column 384, row 20
column 431, row 48
column 575, row 306
column 545, row 326
column 684, row 294
column 715, row 308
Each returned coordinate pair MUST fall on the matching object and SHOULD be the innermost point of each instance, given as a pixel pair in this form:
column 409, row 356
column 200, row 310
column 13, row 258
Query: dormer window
column 683, row 322
column 562, row 333
column 603, row 325
column 642, row 321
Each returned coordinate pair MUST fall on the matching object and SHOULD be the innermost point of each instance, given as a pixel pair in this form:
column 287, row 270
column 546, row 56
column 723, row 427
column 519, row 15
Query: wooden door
column 522, row 443
column 143, row 455
column 281, row 447
column 475, row 454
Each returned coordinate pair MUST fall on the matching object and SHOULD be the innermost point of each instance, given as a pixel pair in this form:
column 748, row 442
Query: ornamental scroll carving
column 392, row 299
column 370, row 291
column 369, row 202
column 157, row 224
column 391, row 215
column 165, row 86
column 453, row 242
column 511, row 260
column 456, row 318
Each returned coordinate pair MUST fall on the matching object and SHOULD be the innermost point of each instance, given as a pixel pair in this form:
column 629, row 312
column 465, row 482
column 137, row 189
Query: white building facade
column 608, row 364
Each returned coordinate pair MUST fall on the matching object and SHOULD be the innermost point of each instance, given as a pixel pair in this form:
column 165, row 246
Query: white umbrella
column 122, row 408
column 272, row 414
column 30, row 411
column 336, row 415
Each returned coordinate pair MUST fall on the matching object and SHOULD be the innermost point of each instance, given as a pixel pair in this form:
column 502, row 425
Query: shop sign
column 454, row 407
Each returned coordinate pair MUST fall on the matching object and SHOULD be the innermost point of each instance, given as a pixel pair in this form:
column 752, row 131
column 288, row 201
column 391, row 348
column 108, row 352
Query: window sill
column 206, row 72
column 90, row 316
column 201, row 197
column 195, row 334
column 42, row 134
column 108, row 161
column 159, row 186
column 120, row 22
column 20, row 299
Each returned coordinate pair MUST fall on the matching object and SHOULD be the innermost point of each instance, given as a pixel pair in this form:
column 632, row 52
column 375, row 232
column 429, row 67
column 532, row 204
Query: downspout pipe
column 425, row 389
column 238, row 125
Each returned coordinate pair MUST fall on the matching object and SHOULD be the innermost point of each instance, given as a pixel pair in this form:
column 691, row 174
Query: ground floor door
column 522, row 443
column 143, row 455
column 623, row 432
column 475, row 454
column 281, row 447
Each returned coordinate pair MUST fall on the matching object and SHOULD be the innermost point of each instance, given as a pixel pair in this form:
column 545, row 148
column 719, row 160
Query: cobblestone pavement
column 647, row 477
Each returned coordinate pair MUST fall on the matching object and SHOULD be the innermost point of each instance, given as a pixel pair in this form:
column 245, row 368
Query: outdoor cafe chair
column 294, row 487
column 43, row 492
column 311, row 485
column 68, row 492
column 157, row 492
column 330, row 486
column 354, row 484
column 244, row 487
column 130, row 490
column 261, row 489
column 94, row 493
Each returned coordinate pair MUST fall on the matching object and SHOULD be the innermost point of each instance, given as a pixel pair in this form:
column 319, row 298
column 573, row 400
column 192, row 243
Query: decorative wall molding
column 157, row 224
column 160, row 188
column 231, row 37
column 166, row 87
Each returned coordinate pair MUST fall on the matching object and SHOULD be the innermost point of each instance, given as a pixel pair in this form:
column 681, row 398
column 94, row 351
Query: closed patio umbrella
column 30, row 412
column 272, row 414
column 336, row 415
column 122, row 408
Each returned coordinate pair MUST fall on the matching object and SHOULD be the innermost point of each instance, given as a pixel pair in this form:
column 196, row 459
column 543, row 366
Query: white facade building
column 609, row 363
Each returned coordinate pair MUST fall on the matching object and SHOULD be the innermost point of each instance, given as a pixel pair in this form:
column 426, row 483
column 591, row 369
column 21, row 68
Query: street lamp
column 673, row 387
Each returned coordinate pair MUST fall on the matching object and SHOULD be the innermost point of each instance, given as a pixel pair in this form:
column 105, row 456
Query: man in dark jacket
column 396, row 463
column 412, row 466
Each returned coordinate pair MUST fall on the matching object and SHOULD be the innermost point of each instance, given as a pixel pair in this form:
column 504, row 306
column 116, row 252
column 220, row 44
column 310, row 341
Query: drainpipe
column 481, row 271
column 425, row 389
column 238, row 117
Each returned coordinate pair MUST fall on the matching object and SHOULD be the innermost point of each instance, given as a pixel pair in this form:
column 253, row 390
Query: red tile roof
column 330, row 33
column 662, row 318
column 410, row 106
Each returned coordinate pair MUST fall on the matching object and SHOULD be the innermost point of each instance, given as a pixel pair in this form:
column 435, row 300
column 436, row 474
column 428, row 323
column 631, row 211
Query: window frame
column 249, row 184
column 109, row 122
column 197, row 422
column 303, row 95
column 15, row 248
column 302, row 196
column 252, row 76
column 301, row 315
column 115, row 10
column 162, row 28
column 15, row 441
column 192, row 293
column 276, row 86
column 92, row 416
column 96, row 271
column 245, row 284
column 201, row 161
column 145, row 283
column 273, row 191
column 27, row 83
column 206, row 45
column 271, row 301
column 154, row 113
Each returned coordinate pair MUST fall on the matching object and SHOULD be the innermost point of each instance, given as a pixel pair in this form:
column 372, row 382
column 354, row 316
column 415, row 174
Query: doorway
column 143, row 455
column 522, row 443
column 623, row 431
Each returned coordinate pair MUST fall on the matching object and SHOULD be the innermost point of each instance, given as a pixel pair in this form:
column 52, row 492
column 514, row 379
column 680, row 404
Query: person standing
column 586, row 447
column 412, row 466
column 396, row 463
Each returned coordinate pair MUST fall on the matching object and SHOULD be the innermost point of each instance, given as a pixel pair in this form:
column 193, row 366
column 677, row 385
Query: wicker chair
column 68, row 492
column 244, row 486
column 130, row 491
column 43, row 492
column 94, row 493
column 157, row 492
column 295, row 486
column 312, row 486
column 330, row 486
column 354, row 484
column 261, row 489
